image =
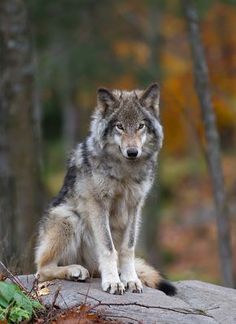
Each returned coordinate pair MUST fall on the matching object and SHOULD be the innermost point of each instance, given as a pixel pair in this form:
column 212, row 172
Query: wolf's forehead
column 129, row 112
column 128, row 100
column 124, row 95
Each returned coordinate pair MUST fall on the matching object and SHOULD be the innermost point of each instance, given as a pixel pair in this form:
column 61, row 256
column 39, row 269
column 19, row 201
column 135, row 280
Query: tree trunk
column 69, row 114
column 6, row 193
column 212, row 141
column 152, row 209
column 22, row 133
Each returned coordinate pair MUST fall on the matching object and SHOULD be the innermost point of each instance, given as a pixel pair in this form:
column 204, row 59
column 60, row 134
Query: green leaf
column 7, row 291
column 17, row 314
column 3, row 302
column 24, row 302
column 36, row 304
column 15, row 304
column 3, row 312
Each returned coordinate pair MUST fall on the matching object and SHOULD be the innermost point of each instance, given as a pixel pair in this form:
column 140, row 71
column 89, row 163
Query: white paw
column 116, row 288
column 77, row 273
column 133, row 285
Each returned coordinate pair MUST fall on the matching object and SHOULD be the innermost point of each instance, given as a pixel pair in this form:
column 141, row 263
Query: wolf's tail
column 152, row 278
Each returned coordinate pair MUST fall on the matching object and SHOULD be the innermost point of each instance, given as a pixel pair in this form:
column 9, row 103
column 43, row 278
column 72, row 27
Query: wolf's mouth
column 131, row 158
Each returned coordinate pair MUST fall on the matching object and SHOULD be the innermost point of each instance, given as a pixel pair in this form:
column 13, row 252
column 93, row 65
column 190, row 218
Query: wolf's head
column 127, row 123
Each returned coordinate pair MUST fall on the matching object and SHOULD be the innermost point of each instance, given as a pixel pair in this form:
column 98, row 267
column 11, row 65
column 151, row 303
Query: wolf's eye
column 141, row 126
column 119, row 126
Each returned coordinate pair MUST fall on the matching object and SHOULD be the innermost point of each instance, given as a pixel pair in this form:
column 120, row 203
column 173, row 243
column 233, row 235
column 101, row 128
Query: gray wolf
column 91, row 226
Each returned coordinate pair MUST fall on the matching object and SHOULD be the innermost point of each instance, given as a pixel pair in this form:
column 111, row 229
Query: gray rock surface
column 195, row 302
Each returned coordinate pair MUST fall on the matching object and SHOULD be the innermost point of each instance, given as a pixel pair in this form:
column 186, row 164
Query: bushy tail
column 152, row 278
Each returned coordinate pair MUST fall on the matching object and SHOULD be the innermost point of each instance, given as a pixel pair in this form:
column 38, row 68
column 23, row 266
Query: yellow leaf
column 43, row 292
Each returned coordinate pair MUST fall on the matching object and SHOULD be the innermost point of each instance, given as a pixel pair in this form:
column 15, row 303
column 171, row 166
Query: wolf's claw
column 134, row 286
column 115, row 288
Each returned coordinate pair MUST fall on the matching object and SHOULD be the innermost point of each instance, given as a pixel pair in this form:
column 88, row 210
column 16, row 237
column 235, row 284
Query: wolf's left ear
column 106, row 99
column 150, row 98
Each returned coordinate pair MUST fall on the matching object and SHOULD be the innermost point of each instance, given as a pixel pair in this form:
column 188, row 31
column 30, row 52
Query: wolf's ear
column 106, row 99
column 150, row 98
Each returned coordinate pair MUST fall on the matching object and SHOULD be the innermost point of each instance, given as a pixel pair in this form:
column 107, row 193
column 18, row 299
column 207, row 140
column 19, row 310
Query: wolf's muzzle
column 132, row 152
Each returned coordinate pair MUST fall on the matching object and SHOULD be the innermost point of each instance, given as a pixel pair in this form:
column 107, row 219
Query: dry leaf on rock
column 43, row 292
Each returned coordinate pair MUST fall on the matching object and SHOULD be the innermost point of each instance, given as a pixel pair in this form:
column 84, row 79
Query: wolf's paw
column 116, row 288
column 77, row 273
column 134, row 286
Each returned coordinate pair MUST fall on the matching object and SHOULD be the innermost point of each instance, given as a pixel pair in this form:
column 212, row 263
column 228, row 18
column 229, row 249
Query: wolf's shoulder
column 79, row 156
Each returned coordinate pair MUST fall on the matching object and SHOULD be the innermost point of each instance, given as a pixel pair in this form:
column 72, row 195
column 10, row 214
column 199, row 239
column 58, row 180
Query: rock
column 195, row 302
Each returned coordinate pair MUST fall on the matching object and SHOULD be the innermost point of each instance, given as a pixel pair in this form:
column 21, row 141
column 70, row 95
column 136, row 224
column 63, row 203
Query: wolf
column 91, row 227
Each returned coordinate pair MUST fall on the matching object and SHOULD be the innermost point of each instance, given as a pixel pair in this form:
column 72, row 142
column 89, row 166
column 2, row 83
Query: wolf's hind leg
column 73, row 272
column 56, row 244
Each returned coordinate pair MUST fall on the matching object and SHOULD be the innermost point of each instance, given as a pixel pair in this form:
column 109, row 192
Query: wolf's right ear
column 106, row 100
column 150, row 98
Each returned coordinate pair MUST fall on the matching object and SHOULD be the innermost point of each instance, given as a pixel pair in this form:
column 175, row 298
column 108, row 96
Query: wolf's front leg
column 127, row 252
column 105, row 249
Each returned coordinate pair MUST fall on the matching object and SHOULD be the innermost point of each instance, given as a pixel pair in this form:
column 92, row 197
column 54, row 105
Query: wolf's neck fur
column 108, row 159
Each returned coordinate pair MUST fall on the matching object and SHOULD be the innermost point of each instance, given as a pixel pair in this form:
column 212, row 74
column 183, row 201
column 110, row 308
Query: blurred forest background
column 53, row 57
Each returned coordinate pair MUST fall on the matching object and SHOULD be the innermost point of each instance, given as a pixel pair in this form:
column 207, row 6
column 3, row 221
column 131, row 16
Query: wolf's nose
column 132, row 152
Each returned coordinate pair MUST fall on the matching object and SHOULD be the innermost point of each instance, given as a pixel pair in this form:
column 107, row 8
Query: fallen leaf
column 2, row 278
column 3, row 321
column 43, row 292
